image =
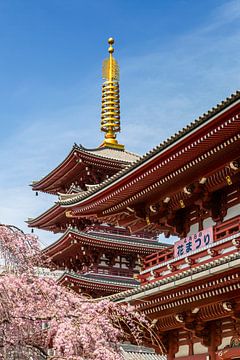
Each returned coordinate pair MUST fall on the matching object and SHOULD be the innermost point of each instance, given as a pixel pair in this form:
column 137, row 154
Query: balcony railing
column 163, row 263
column 114, row 271
column 227, row 228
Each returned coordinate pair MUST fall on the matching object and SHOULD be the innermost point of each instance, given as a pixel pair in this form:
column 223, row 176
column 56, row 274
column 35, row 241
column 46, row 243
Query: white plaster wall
column 183, row 266
column 166, row 272
column 225, row 342
column 137, row 267
column 232, row 212
column 183, row 351
column 193, row 229
column 204, row 258
column 102, row 262
column 198, row 348
column 208, row 222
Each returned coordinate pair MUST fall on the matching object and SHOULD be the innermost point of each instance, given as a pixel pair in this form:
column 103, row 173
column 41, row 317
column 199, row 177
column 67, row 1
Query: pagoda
column 94, row 257
column 188, row 186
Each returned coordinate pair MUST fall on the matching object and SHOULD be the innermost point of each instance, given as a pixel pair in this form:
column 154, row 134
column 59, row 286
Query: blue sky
column 177, row 60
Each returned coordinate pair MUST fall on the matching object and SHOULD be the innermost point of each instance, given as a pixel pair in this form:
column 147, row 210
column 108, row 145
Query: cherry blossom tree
column 41, row 319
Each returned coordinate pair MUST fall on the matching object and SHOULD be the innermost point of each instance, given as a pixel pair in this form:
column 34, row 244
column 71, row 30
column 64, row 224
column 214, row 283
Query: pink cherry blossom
column 39, row 316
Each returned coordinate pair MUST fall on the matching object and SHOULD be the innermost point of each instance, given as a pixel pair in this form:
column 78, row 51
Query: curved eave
column 106, row 194
column 71, row 239
column 46, row 183
column 71, row 164
column 97, row 283
column 45, row 219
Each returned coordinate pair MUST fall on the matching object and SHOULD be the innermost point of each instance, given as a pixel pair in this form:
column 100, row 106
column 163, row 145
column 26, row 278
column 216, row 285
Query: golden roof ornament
column 110, row 116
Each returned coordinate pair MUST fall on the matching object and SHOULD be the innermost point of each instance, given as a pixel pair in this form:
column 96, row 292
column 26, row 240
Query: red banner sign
column 193, row 242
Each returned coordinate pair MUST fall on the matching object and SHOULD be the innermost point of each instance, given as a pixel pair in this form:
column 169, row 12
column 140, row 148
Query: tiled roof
column 142, row 356
column 130, row 239
column 154, row 245
column 103, row 279
column 114, row 154
column 158, row 149
column 133, row 352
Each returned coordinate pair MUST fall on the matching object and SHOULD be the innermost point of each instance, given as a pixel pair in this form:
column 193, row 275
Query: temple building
column 96, row 258
column 188, row 186
column 113, row 205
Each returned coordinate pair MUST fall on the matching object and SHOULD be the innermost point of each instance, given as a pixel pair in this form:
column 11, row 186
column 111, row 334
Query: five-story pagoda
column 95, row 258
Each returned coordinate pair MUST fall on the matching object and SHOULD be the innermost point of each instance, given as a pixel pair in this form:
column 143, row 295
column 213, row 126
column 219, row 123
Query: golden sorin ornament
column 110, row 117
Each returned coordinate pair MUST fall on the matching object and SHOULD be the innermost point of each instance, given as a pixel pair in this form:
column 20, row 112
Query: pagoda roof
column 134, row 352
column 48, row 219
column 71, row 239
column 100, row 157
column 111, row 154
column 211, row 129
column 108, row 283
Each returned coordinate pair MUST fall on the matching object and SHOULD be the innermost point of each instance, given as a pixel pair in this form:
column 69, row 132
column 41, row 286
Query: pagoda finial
column 110, row 117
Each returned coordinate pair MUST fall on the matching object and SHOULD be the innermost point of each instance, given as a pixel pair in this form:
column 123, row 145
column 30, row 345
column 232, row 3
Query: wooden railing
column 227, row 228
column 157, row 258
column 115, row 271
column 221, row 231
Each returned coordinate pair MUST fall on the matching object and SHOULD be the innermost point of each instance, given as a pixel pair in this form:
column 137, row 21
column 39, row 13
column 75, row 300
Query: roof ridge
column 86, row 150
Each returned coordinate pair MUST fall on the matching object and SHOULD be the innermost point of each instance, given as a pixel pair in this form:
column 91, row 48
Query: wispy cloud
column 226, row 13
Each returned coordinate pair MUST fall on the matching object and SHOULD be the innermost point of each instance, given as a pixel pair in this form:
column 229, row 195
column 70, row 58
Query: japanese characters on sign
column 193, row 242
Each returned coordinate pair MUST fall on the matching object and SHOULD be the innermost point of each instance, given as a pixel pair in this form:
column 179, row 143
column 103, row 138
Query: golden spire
column 110, row 118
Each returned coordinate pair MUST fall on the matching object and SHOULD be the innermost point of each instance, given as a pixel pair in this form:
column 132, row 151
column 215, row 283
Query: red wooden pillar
column 173, row 345
column 215, row 339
